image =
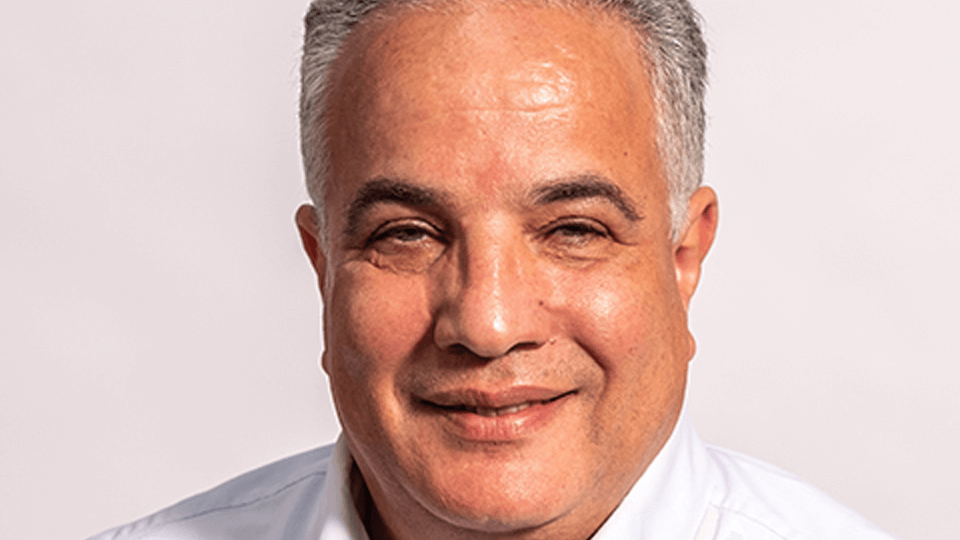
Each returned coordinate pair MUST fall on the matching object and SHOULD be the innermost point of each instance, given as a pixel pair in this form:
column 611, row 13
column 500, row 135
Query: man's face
column 505, row 335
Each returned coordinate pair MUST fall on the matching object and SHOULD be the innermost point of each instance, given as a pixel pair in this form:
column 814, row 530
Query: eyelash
column 396, row 229
column 578, row 226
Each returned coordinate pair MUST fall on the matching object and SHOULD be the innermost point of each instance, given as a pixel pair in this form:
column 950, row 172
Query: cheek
column 611, row 317
column 374, row 323
column 626, row 319
column 372, row 328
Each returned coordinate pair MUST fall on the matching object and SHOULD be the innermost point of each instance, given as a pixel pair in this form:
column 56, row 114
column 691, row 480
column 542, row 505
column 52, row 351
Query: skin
column 500, row 240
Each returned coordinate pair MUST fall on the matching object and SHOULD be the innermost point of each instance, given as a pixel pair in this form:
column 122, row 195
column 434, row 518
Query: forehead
column 513, row 55
column 424, row 82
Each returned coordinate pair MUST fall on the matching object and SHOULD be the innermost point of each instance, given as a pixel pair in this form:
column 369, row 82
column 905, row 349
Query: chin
column 507, row 518
column 505, row 498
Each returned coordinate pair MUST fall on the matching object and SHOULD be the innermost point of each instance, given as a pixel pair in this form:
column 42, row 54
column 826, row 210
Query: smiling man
column 488, row 206
column 507, row 234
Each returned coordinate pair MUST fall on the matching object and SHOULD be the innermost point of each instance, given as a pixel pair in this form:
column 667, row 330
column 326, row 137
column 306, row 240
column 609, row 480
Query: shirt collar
column 671, row 499
column 339, row 519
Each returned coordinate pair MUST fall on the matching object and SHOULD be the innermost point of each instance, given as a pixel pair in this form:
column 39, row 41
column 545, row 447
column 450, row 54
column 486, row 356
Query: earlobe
column 324, row 359
column 309, row 228
column 695, row 242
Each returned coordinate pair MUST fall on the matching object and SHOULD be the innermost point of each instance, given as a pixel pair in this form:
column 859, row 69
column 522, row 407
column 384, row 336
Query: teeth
column 510, row 409
column 490, row 412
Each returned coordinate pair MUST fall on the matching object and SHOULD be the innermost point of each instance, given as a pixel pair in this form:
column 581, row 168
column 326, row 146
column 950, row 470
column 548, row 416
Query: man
column 507, row 235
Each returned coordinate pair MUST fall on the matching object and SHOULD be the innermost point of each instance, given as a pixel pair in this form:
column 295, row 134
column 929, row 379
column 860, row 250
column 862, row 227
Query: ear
column 309, row 228
column 695, row 241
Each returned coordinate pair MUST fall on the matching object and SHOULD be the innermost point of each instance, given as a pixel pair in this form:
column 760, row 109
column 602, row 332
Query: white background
column 159, row 326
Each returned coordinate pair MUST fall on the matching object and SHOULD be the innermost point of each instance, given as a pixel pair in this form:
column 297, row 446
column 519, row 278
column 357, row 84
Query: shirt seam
column 243, row 504
column 749, row 518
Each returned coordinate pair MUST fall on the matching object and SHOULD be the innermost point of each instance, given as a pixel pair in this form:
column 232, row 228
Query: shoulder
column 244, row 507
column 761, row 501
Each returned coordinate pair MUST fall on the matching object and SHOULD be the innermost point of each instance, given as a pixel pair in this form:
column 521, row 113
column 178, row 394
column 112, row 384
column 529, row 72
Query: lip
column 495, row 417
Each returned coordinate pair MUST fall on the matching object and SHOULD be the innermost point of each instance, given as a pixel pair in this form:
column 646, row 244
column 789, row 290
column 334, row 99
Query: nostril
column 460, row 349
column 463, row 351
column 525, row 346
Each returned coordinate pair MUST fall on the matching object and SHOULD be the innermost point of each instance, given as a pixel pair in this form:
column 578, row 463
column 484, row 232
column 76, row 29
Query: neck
column 366, row 509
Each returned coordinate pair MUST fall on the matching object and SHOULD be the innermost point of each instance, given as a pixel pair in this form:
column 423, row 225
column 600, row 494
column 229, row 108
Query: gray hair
column 671, row 43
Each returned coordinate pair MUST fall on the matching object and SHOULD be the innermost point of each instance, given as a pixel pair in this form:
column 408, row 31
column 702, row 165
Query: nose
column 490, row 306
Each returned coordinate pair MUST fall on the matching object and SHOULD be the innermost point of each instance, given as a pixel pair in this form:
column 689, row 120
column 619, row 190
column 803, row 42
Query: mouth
column 496, row 417
column 492, row 412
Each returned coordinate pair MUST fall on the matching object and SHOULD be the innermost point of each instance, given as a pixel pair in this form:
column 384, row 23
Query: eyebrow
column 381, row 190
column 587, row 186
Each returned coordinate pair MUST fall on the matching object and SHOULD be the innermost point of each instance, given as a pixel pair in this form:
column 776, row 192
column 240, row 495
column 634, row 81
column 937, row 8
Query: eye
column 404, row 233
column 577, row 240
column 579, row 231
column 405, row 245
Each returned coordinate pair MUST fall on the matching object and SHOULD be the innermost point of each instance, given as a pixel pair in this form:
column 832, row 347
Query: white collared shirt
column 691, row 491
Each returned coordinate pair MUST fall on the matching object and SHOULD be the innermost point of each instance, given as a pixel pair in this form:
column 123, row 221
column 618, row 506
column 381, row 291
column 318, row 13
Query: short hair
column 671, row 44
